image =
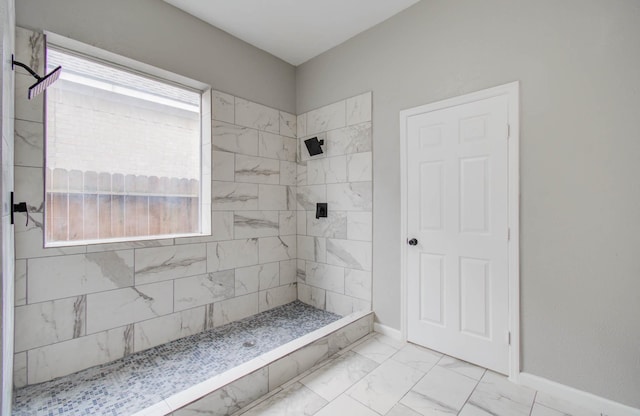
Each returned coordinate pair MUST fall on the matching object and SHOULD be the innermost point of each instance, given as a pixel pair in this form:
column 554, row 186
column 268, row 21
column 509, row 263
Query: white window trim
column 149, row 71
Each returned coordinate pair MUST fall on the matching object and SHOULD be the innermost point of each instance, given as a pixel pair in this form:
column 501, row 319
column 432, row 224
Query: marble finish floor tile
column 295, row 400
column 462, row 367
column 411, row 381
column 338, row 375
column 378, row 348
column 385, row 386
column 498, row 396
column 140, row 380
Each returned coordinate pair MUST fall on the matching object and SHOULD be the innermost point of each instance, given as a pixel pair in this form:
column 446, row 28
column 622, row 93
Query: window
column 124, row 155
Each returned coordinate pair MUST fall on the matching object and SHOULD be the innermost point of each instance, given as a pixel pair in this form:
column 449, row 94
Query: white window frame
column 115, row 60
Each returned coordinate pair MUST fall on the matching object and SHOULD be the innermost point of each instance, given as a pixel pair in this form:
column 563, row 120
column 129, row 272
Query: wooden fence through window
column 99, row 205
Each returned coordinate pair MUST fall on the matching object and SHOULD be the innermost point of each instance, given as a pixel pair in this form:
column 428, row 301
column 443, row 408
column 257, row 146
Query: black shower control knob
column 413, row 242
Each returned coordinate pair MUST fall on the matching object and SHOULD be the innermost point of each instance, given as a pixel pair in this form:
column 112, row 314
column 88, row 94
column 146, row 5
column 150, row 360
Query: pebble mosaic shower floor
column 140, row 380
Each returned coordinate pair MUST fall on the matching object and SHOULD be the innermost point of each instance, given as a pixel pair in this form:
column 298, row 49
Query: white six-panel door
column 457, row 210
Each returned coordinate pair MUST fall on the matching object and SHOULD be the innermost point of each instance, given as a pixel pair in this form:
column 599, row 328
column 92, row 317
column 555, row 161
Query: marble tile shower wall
column 334, row 253
column 81, row 306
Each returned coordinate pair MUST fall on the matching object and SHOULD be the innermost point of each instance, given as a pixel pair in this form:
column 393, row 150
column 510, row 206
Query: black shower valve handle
column 19, row 207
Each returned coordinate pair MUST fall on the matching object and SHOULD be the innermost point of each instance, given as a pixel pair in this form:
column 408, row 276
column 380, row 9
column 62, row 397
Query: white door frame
column 512, row 91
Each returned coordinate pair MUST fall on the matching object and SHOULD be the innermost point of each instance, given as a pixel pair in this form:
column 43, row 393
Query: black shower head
column 43, row 82
column 313, row 146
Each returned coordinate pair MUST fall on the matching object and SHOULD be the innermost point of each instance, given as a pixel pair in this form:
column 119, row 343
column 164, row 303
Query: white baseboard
column 388, row 331
column 587, row 400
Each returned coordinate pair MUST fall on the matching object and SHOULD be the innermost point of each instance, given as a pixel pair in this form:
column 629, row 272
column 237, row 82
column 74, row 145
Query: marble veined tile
column 462, row 367
column 277, row 296
column 29, row 148
column 439, row 392
column 203, row 289
column 352, row 139
column 288, row 172
column 273, row 198
column 29, row 47
column 25, row 109
column 381, row 389
column 359, row 167
column 325, row 276
column 379, row 348
column 338, row 375
column 562, row 406
column 332, row 226
column 158, row 331
column 115, row 308
column 288, row 271
column 29, row 238
column 254, row 278
column 165, row 263
column 350, row 254
column 540, row 410
column 357, row 283
column 20, row 370
column 257, row 170
column 311, row 295
column 277, row 248
column 309, row 196
column 402, row 410
column 312, row 248
column 223, row 106
column 253, row 224
column 346, row 336
column 359, row 226
column 271, row 145
column 259, row 277
column 230, row 398
column 287, row 222
column 257, row 116
column 297, row 362
column 228, row 196
column 225, row 255
column 296, row 400
column 234, row 309
column 65, row 276
column 29, row 186
column 344, row 305
column 327, row 170
column 497, row 396
column 329, row 117
column 345, row 405
column 417, row 357
column 223, row 166
column 359, row 109
column 46, row 323
column 20, row 285
column 288, row 124
column 67, row 357
column 301, row 125
column 236, row 139
column 352, row 196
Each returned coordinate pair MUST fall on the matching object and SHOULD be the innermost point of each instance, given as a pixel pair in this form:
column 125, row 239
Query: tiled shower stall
column 81, row 306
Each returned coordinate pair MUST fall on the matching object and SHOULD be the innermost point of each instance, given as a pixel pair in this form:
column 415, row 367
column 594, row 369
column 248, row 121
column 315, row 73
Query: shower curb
column 279, row 366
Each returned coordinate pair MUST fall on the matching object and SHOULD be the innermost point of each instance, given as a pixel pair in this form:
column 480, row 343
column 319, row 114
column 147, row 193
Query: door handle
column 413, row 242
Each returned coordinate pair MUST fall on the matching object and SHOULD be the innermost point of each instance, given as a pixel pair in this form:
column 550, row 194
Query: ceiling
column 293, row 30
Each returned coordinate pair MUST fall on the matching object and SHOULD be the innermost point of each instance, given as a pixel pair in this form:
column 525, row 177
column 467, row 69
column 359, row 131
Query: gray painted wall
column 578, row 62
column 156, row 33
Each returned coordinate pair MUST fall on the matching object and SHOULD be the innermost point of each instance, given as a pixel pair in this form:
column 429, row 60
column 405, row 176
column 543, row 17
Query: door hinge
column 509, row 337
column 508, row 131
column 508, row 234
